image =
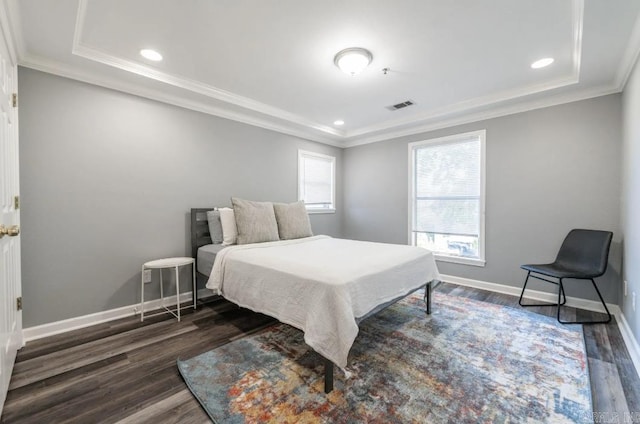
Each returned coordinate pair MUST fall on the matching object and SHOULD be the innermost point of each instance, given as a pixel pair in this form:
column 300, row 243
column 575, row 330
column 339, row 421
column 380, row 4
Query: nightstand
column 160, row 265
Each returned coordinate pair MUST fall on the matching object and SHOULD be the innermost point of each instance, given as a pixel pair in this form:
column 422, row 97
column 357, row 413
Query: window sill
column 319, row 211
column 460, row 260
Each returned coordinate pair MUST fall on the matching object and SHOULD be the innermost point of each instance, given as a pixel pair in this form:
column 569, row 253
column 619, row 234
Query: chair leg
column 564, row 298
column 560, row 291
column 526, row 280
column 587, row 322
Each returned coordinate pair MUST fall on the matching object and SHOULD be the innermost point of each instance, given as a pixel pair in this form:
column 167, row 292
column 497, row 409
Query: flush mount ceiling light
column 353, row 60
column 151, row 55
column 542, row 63
column 338, row 122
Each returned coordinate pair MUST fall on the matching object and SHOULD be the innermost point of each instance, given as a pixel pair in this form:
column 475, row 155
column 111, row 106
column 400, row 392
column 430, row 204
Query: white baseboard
column 630, row 341
column 539, row 296
column 50, row 329
column 45, row 330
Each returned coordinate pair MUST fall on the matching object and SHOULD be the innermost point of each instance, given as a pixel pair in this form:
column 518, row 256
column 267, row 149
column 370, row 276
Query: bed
column 321, row 285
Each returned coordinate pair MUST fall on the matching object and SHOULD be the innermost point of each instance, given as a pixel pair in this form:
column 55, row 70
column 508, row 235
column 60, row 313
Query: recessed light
column 542, row 63
column 151, row 55
column 338, row 122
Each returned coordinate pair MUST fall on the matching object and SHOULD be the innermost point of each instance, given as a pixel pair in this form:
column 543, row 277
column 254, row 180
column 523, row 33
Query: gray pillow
column 293, row 220
column 215, row 226
column 256, row 221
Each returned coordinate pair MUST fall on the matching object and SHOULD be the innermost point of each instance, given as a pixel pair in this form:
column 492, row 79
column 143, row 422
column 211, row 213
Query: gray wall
column 107, row 181
column 631, row 198
column 547, row 171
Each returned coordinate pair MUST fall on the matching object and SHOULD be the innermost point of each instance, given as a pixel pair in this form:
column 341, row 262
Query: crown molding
column 493, row 112
column 64, row 70
column 199, row 88
column 287, row 123
column 94, row 54
column 577, row 18
column 630, row 56
column 438, row 121
column 12, row 31
column 578, row 25
column 464, row 106
column 212, row 92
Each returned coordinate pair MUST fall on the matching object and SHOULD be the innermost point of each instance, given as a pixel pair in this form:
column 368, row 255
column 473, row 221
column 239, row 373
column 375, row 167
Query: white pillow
column 229, row 230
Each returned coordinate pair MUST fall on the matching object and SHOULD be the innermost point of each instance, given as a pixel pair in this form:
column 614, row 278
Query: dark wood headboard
column 199, row 229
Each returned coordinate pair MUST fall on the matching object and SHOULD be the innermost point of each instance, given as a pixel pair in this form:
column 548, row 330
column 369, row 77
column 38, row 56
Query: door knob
column 12, row 231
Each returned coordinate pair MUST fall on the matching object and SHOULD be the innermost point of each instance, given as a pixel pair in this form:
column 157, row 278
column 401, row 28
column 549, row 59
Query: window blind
column 316, row 181
column 447, row 188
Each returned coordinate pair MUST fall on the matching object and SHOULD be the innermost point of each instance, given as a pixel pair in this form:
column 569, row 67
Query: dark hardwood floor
column 125, row 371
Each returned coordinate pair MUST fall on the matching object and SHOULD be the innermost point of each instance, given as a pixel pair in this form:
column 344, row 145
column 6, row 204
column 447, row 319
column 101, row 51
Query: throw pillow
column 293, row 220
column 255, row 221
column 215, row 226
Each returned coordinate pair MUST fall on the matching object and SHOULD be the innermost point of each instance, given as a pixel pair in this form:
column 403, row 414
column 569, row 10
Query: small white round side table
column 161, row 264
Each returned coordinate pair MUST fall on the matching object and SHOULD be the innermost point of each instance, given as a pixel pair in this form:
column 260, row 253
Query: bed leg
column 328, row 376
column 427, row 297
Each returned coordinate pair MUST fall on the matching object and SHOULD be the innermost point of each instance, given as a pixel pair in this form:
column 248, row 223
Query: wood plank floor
column 124, row 371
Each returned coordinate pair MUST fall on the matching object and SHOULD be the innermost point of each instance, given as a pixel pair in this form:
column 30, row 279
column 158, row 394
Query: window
column 317, row 181
column 446, row 197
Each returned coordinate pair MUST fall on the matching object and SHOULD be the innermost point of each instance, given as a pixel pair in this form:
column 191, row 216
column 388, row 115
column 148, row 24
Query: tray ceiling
column 270, row 63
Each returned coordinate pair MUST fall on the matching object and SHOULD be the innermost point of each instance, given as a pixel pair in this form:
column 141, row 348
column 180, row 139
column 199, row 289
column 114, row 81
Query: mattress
column 206, row 257
column 319, row 284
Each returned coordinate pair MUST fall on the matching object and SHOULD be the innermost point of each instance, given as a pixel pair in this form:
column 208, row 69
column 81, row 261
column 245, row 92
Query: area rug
column 468, row 362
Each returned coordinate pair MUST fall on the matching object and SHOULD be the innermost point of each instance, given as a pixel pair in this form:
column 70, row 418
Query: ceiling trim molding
column 63, row 70
column 66, row 71
column 578, row 25
column 294, row 125
column 81, row 14
column 495, row 112
column 99, row 56
column 630, row 56
column 56, row 68
column 198, row 87
column 12, row 30
column 465, row 106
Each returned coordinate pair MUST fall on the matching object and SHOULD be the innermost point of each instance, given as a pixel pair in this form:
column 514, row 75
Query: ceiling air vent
column 400, row 105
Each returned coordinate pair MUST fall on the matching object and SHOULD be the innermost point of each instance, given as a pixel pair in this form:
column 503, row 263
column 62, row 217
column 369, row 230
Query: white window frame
column 481, row 134
column 302, row 154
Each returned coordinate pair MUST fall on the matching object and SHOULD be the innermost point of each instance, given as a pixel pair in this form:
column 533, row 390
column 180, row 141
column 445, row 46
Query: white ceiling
column 270, row 62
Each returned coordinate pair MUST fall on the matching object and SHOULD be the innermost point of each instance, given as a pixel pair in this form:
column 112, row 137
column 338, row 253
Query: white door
column 10, row 283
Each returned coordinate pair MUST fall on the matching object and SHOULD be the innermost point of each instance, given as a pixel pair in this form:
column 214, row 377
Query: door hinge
column 19, row 303
column 14, row 99
column 16, row 202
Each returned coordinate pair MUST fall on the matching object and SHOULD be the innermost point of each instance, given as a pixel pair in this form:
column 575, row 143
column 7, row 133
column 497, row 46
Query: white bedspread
column 319, row 284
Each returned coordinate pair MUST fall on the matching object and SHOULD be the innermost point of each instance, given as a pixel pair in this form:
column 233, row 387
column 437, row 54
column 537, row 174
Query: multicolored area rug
column 468, row 362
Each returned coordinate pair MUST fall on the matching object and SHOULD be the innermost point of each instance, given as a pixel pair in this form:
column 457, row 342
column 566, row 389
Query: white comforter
column 319, row 284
